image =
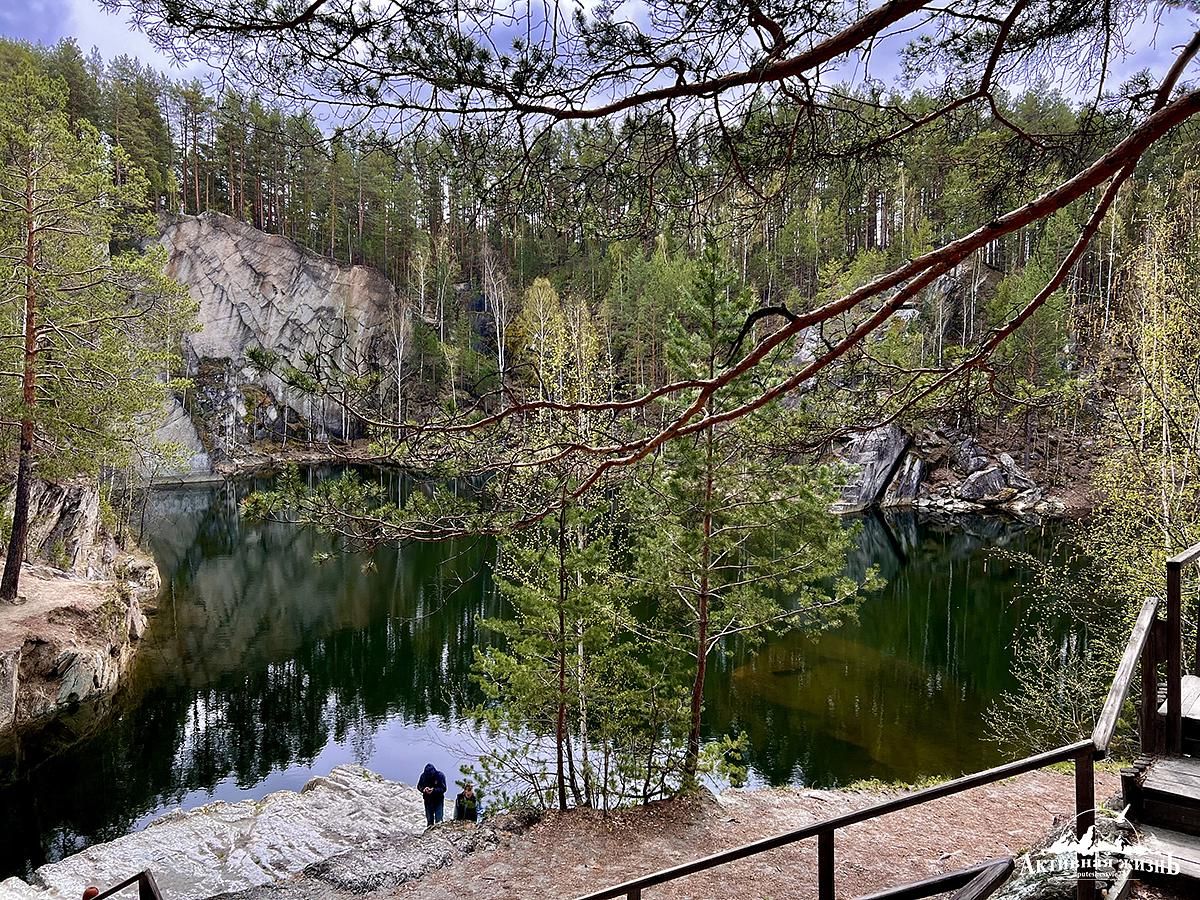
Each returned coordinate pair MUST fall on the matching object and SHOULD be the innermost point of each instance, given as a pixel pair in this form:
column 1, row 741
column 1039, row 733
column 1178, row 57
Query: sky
column 46, row 21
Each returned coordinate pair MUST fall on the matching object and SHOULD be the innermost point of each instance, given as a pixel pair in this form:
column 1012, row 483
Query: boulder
column 1014, row 475
column 967, row 457
column 983, row 485
column 875, row 454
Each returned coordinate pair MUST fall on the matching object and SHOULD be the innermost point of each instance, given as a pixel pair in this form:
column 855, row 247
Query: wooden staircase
column 1163, row 794
column 1162, row 789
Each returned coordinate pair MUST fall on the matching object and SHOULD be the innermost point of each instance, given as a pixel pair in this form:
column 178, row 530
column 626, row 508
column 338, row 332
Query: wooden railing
column 1081, row 753
column 1152, row 642
column 975, row 882
column 1146, row 648
column 147, row 887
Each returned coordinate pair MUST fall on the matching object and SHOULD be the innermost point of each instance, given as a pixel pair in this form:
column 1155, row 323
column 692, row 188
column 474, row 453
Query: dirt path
column 567, row 855
column 44, row 593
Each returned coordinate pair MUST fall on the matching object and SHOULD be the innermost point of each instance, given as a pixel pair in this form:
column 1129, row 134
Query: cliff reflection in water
column 274, row 658
column 263, row 667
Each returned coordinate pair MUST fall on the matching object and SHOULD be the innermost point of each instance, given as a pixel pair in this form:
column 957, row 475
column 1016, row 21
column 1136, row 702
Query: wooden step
column 1185, row 848
column 1170, row 794
column 1167, row 813
column 1189, row 691
column 1170, row 772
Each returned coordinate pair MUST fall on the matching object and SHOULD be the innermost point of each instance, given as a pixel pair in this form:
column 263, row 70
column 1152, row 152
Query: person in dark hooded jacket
column 432, row 785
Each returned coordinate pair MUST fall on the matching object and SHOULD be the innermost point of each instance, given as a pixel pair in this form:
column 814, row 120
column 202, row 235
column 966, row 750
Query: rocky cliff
column 82, row 611
column 947, row 471
column 262, row 292
column 71, row 639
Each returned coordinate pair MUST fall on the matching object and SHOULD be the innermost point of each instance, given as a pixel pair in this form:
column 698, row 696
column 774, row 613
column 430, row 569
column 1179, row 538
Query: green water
column 264, row 667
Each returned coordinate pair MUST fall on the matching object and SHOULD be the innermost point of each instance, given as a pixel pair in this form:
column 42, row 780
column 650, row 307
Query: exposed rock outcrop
column 953, row 302
column 82, row 612
column 936, row 470
column 875, row 454
column 179, row 450
column 263, row 292
column 223, row 848
column 64, row 528
column 71, row 639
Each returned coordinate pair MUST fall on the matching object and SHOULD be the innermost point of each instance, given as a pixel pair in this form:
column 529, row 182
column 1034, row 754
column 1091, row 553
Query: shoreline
column 353, row 832
column 1070, row 501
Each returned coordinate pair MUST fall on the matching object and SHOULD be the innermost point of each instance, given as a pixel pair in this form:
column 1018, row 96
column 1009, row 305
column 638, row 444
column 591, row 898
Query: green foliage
column 1060, row 689
column 730, row 540
column 1147, row 503
column 567, row 652
column 107, row 326
column 1148, row 497
column 1032, row 354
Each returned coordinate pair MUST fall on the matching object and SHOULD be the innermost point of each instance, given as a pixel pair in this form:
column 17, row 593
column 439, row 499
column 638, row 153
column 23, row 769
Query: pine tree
column 733, row 540
column 93, row 332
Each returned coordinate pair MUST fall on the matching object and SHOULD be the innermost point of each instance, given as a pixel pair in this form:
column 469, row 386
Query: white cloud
column 112, row 34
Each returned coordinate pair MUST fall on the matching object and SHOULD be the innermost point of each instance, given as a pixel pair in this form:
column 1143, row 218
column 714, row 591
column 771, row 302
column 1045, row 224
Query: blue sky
column 46, row 21
column 1150, row 43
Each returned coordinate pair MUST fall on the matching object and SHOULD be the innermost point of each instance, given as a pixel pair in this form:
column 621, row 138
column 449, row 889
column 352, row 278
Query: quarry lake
column 272, row 660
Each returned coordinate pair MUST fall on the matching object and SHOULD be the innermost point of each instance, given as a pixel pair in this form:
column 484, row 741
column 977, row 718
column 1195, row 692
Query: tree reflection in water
column 273, row 658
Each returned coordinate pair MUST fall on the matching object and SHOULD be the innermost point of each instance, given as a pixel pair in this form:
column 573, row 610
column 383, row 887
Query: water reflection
column 265, row 666
column 899, row 693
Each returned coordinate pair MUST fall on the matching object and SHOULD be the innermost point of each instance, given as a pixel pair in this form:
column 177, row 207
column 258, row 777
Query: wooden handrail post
column 1174, row 658
column 1085, row 793
column 148, row 887
column 1149, row 712
column 825, row 882
column 1085, row 818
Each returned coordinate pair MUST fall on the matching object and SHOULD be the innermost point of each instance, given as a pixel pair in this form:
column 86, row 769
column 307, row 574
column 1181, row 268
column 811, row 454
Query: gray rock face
column 231, row 847
column 256, row 290
column 905, row 487
column 10, row 664
column 386, row 867
column 952, row 302
column 875, row 453
column 179, row 450
column 64, row 529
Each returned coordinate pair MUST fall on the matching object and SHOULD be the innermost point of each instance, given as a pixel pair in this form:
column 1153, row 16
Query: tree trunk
column 561, row 725
column 20, row 523
column 692, row 759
